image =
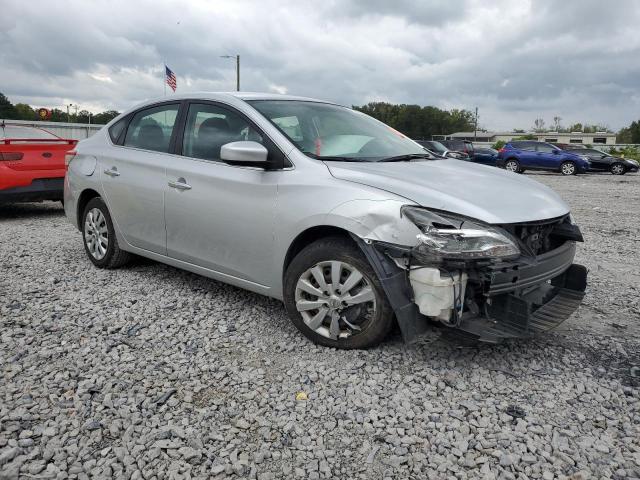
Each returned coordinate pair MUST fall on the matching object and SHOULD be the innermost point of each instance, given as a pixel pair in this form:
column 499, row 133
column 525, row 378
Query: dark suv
column 519, row 156
column 462, row 146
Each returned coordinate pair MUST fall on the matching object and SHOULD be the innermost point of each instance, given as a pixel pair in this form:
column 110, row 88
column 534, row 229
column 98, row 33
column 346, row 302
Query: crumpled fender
column 378, row 220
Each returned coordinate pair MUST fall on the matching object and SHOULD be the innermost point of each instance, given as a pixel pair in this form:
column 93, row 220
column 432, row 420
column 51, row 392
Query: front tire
column 568, row 168
column 334, row 297
column 617, row 169
column 99, row 236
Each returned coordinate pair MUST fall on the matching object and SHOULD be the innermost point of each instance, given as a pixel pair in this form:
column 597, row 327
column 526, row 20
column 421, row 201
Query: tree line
column 419, row 123
column 22, row 111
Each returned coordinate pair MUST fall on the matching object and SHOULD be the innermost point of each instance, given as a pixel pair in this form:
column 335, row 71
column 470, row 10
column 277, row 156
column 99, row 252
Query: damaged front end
column 490, row 281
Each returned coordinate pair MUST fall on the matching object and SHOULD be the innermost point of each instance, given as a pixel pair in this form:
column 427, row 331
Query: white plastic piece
column 434, row 292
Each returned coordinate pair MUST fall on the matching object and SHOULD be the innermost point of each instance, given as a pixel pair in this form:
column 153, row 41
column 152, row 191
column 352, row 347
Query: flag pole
column 164, row 78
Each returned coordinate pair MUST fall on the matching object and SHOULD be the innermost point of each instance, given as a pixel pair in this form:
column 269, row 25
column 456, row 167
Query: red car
column 32, row 164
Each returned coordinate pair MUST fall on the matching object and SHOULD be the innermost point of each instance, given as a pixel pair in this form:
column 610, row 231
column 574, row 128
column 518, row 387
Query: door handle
column 113, row 172
column 180, row 184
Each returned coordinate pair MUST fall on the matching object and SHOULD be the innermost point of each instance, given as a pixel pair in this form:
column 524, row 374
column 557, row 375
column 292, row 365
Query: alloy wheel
column 96, row 233
column 617, row 169
column 511, row 166
column 335, row 299
column 568, row 168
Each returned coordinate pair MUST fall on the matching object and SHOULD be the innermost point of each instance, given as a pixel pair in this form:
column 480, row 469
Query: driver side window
column 209, row 127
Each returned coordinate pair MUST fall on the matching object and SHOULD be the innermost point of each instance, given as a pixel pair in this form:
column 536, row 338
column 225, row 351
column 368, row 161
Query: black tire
column 568, row 168
column 114, row 257
column 512, row 165
column 617, row 169
column 343, row 250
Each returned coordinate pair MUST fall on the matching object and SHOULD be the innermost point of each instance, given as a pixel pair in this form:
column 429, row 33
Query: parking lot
column 152, row 372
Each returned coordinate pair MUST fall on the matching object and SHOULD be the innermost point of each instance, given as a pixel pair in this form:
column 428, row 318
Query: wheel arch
column 83, row 199
column 310, row 235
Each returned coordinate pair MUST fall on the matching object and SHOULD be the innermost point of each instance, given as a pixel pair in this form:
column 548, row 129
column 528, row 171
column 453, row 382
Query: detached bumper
column 516, row 300
column 38, row 190
column 525, row 314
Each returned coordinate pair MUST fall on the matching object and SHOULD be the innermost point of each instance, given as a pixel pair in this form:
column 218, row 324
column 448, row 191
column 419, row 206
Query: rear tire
column 99, row 237
column 339, row 320
column 512, row 165
column 568, row 168
column 617, row 169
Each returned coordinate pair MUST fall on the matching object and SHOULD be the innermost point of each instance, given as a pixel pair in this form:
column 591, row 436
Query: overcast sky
column 514, row 60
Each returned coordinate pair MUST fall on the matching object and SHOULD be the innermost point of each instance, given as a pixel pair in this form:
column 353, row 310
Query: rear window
column 31, row 133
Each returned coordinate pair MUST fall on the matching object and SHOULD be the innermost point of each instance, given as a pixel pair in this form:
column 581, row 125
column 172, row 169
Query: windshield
column 438, row 147
column 331, row 132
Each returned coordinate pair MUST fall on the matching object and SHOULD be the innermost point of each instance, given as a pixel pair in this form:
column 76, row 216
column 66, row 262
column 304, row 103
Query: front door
column 599, row 161
column 220, row 216
column 134, row 179
column 546, row 158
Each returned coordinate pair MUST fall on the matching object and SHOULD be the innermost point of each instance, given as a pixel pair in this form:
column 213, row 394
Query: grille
column 538, row 237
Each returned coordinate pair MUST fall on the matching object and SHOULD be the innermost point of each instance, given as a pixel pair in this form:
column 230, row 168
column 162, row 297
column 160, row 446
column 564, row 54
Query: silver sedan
column 349, row 222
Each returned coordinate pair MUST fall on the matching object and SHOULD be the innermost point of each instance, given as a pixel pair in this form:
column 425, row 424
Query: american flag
column 170, row 78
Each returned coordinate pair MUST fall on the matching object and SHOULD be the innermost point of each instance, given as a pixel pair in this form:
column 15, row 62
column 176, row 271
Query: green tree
column 419, row 122
column 105, row 117
column 630, row 134
column 25, row 112
column 7, row 110
column 83, row 116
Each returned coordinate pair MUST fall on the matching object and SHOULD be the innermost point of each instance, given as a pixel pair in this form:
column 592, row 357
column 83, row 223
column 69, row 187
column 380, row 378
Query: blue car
column 518, row 156
column 485, row 156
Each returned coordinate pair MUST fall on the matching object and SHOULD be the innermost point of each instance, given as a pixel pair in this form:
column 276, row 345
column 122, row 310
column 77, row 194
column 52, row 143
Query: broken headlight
column 447, row 236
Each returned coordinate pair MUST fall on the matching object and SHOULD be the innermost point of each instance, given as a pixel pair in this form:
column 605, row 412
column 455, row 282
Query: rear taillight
column 10, row 156
column 501, row 150
column 68, row 157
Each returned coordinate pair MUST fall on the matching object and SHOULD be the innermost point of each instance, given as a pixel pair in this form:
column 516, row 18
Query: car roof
column 246, row 96
column 227, row 97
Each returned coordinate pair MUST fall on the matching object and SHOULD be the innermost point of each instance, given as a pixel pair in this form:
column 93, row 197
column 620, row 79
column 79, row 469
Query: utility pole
column 475, row 128
column 238, row 73
column 68, row 116
column 237, row 57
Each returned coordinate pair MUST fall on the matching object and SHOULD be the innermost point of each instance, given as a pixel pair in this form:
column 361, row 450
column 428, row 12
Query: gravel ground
column 151, row 372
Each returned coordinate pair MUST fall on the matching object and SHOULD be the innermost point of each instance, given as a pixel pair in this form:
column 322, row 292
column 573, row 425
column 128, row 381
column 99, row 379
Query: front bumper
column 503, row 300
column 39, row 189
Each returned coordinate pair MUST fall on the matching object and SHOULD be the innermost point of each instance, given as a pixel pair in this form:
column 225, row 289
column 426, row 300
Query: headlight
column 448, row 236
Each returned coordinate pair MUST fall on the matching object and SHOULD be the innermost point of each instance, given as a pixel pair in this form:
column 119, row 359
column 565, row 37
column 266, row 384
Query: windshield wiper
column 407, row 157
column 336, row 158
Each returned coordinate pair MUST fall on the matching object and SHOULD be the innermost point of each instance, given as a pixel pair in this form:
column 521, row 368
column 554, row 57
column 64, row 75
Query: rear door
column 220, row 216
column 134, row 176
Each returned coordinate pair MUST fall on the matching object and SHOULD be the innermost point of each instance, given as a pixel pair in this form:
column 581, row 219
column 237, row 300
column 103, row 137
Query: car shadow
column 10, row 211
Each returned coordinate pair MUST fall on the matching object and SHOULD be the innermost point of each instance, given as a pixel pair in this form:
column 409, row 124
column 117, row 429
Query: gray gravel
column 151, row 372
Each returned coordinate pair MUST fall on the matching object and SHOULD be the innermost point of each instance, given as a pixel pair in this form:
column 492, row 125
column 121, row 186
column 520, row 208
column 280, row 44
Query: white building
column 598, row 138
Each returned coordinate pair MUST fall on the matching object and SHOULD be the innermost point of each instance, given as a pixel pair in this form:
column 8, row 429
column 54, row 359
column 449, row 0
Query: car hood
column 478, row 191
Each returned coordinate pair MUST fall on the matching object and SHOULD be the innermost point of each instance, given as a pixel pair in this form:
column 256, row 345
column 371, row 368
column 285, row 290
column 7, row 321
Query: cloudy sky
column 515, row 60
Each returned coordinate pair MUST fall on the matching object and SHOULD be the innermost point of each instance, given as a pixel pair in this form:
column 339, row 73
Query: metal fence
column 74, row 131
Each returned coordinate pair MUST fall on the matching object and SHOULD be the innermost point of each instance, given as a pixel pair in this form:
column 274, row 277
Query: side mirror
column 245, row 152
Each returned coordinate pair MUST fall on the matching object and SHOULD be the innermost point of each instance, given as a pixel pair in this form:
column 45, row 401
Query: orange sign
column 44, row 113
